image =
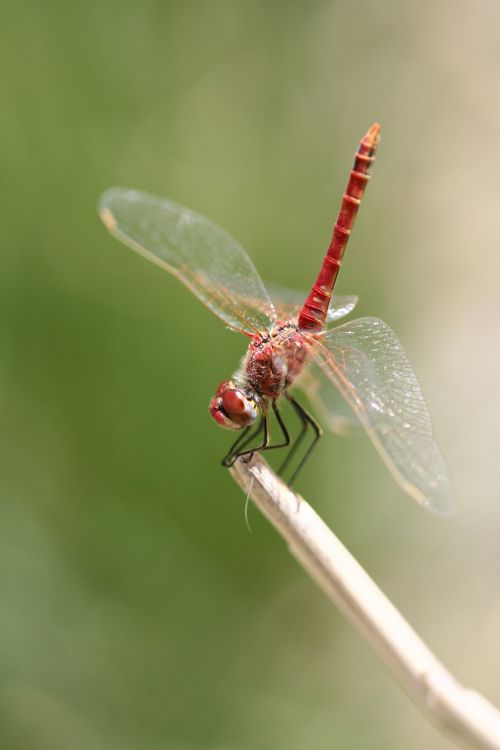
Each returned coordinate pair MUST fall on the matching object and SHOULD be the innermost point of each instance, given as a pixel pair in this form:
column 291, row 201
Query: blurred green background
column 136, row 611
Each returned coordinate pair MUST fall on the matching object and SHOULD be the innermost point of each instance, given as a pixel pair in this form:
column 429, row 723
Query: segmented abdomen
column 313, row 314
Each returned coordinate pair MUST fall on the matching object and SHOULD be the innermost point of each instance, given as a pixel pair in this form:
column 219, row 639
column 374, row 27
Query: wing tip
column 107, row 219
column 114, row 198
column 104, row 209
column 440, row 502
column 444, row 508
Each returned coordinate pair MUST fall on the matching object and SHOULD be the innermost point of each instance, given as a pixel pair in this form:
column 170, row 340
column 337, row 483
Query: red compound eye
column 222, row 387
column 232, row 408
column 233, row 402
column 216, row 413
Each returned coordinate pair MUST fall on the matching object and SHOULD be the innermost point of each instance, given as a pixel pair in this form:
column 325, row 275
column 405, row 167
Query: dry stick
column 456, row 710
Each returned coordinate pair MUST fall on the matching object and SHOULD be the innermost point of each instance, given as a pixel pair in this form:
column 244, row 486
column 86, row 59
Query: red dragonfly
column 363, row 362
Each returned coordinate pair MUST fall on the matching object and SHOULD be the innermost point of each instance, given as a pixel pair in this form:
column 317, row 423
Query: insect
column 360, row 364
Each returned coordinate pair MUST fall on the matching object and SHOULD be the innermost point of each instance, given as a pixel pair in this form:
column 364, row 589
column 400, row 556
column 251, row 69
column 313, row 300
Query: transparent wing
column 199, row 253
column 336, row 414
column 289, row 301
column 367, row 363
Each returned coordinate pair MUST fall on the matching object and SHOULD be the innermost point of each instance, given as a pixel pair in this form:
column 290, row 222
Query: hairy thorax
column 275, row 359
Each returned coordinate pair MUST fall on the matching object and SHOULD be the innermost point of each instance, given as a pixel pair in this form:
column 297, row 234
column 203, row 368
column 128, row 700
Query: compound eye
column 233, row 402
column 232, row 408
column 220, row 416
column 223, row 387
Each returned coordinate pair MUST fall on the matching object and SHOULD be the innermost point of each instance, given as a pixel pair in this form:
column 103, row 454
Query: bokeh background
column 136, row 610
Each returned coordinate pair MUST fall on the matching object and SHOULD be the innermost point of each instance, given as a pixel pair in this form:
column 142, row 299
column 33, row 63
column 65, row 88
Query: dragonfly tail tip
column 373, row 134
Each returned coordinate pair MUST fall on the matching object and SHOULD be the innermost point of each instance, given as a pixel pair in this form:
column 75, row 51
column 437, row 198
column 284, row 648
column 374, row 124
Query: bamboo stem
column 463, row 714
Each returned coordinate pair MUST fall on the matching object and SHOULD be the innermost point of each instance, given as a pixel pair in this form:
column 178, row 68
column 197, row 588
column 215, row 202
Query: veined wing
column 195, row 250
column 289, row 301
column 367, row 363
column 335, row 413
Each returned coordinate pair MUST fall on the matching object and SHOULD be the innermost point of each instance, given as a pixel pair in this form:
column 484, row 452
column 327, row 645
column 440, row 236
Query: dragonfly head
column 234, row 407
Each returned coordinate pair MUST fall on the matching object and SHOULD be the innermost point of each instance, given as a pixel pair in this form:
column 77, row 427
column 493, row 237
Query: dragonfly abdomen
column 312, row 316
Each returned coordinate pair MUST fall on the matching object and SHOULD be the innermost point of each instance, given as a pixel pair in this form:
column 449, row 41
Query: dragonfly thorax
column 275, row 359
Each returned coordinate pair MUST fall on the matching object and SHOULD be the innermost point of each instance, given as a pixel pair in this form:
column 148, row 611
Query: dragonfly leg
column 307, row 421
column 242, row 441
column 286, row 435
column 246, row 455
column 237, row 451
column 303, row 430
column 265, row 445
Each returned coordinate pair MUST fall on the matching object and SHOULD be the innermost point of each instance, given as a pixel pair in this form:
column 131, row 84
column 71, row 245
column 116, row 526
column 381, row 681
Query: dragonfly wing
column 289, row 301
column 336, row 414
column 367, row 363
column 198, row 252
column 340, row 306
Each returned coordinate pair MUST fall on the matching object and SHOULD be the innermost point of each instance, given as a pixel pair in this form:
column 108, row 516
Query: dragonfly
column 357, row 370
